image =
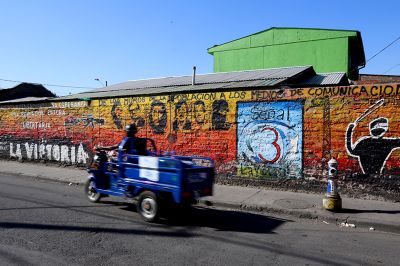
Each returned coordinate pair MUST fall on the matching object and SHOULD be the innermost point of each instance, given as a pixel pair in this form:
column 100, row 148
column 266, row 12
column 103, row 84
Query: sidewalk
column 381, row 215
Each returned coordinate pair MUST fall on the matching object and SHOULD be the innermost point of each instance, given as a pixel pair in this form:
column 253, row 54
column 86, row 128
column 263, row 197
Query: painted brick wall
column 278, row 137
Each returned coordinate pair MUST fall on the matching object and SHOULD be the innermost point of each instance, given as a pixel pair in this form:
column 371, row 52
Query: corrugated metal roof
column 272, row 73
column 323, row 79
column 239, row 79
column 149, row 91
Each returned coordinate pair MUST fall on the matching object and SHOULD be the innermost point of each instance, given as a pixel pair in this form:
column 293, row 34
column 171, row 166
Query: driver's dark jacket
column 133, row 145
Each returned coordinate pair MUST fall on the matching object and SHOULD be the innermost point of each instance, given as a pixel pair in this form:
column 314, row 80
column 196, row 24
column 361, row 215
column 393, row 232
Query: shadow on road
column 369, row 211
column 198, row 217
column 224, row 220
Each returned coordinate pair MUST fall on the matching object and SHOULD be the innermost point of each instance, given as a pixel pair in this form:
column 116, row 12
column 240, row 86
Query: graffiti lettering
column 87, row 121
column 69, row 104
column 237, row 95
column 128, row 101
column 260, row 172
column 75, row 154
column 260, row 112
column 341, row 91
column 36, row 125
column 25, row 106
column 197, row 96
column 296, row 92
column 381, row 90
column 267, row 95
column 387, row 90
column 35, row 113
column 56, row 112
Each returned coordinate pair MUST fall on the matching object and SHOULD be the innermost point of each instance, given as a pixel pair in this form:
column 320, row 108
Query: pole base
column 332, row 203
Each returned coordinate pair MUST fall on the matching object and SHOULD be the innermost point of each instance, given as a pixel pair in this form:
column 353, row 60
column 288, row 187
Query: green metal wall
column 325, row 50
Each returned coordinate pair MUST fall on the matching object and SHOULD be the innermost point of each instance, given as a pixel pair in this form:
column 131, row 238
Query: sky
column 70, row 43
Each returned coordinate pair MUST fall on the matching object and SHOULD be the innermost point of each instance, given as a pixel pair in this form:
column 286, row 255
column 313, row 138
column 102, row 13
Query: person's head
column 220, row 107
column 131, row 130
column 199, row 111
column 379, row 127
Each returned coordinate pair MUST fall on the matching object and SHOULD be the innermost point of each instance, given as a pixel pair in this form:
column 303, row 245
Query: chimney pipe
column 194, row 76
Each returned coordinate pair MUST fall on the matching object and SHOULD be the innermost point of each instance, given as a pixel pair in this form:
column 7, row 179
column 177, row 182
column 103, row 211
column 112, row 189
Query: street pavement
column 371, row 214
column 50, row 223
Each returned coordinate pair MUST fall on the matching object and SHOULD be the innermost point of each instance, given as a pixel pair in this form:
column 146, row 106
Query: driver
column 130, row 144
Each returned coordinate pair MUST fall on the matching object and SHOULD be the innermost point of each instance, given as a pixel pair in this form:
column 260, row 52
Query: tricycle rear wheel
column 148, row 206
column 90, row 191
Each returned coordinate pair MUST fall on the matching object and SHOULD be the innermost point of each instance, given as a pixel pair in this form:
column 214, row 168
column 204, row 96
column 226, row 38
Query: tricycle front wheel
column 148, row 206
column 90, row 191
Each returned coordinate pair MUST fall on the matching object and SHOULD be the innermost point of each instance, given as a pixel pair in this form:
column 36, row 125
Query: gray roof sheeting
column 188, row 88
column 323, row 79
column 240, row 79
column 264, row 74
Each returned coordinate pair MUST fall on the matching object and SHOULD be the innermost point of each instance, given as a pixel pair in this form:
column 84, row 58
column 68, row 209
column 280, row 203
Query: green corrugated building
column 325, row 49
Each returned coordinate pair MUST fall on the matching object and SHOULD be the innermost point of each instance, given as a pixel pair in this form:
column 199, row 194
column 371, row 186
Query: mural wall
column 252, row 134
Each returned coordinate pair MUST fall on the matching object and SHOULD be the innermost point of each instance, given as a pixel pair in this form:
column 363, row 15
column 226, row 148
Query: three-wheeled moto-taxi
column 154, row 180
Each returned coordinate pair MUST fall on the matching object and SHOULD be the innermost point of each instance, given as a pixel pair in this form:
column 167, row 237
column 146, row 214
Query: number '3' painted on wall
column 274, row 142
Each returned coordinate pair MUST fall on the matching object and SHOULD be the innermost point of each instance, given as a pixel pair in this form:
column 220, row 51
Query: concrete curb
column 43, row 178
column 306, row 214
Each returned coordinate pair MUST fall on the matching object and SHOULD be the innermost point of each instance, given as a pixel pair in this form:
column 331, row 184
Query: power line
column 393, row 67
column 398, row 38
column 44, row 84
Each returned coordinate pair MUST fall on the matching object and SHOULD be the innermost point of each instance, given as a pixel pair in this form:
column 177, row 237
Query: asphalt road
column 49, row 223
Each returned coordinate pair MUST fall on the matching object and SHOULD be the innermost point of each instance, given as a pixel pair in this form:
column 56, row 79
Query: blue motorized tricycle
column 153, row 180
